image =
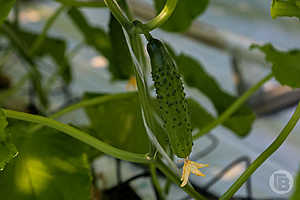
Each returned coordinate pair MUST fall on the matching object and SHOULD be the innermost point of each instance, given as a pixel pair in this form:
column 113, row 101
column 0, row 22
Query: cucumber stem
column 162, row 17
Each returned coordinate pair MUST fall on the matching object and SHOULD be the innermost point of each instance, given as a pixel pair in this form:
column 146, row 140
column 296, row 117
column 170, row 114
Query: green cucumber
column 171, row 98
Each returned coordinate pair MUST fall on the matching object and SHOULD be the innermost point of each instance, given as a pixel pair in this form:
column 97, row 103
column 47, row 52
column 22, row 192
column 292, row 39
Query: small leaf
column 50, row 165
column 5, row 7
column 121, row 65
column 285, row 65
column 119, row 123
column 186, row 11
column 7, row 150
column 195, row 76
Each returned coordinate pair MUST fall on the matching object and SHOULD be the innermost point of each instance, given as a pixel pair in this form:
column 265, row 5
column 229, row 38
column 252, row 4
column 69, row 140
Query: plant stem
column 91, row 4
column 80, row 135
column 172, row 176
column 155, row 181
column 118, row 13
column 264, row 156
column 162, row 17
column 39, row 41
column 86, row 103
column 233, row 108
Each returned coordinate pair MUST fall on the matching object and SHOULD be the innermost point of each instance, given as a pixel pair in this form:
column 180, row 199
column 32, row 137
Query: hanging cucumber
column 173, row 106
column 171, row 98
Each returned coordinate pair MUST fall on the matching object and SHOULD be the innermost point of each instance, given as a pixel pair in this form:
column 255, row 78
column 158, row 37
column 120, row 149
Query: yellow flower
column 190, row 167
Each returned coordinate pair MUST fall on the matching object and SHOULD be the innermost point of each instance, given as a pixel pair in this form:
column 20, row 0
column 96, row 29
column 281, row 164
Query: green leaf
column 112, row 45
column 121, row 65
column 3, row 124
column 186, row 11
column 53, row 47
column 50, row 165
column 195, row 76
column 119, row 123
column 285, row 8
column 5, row 7
column 296, row 194
column 7, row 149
column 285, row 65
column 94, row 36
column 200, row 117
column 11, row 32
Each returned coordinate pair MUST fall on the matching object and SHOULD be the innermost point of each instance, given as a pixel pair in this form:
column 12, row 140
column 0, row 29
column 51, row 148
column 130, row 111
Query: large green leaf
column 195, row 76
column 186, row 11
column 119, row 123
column 121, row 65
column 285, row 65
column 7, row 149
column 5, row 7
column 50, row 166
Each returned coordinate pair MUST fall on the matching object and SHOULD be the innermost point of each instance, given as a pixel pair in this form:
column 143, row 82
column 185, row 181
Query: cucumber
column 173, row 107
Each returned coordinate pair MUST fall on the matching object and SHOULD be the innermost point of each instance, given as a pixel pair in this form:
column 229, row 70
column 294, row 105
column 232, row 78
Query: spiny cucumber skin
column 171, row 98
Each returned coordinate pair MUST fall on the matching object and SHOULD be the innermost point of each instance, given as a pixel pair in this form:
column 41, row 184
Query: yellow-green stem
column 162, row 17
column 155, row 181
column 264, row 156
column 86, row 103
column 78, row 134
